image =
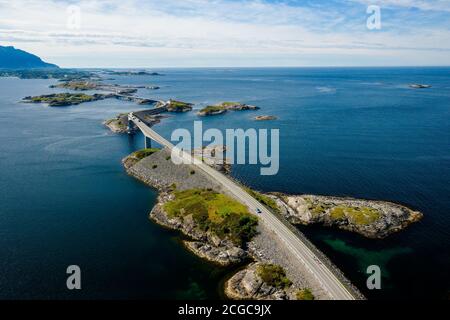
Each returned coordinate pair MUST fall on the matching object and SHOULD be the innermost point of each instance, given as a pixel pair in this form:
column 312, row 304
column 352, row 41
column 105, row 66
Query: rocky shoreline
column 248, row 284
column 265, row 118
column 204, row 244
column 369, row 218
column 117, row 124
column 175, row 106
column 225, row 107
column 372, row 219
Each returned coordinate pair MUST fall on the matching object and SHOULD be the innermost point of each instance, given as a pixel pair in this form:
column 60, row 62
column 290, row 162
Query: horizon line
column 255, row 67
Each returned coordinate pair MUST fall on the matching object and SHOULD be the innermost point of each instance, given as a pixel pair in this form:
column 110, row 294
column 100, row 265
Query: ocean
column 358, row 132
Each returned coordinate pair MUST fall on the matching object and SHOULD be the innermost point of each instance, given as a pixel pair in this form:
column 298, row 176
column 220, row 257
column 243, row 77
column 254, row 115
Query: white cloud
column 218, row 32
column 428, row 5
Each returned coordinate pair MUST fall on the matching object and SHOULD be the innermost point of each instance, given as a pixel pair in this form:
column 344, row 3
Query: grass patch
column 263, row 199
column 316, row 208
column 304, row 294
column 118, row 122
column 273, row 275
column 229, row 104
column 141, row 154
column 212, row 109
column 357, row 215
column 216, row 212
column 179, row 106
column 78, row 85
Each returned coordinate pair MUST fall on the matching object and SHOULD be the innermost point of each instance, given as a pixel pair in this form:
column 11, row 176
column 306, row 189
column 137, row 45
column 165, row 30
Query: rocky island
column 221, row 230
column 85, row 85
column 119, row 124
column 132, row 73
column 66, row 99
column 419, row 86
column 372, row 219
column 264, row 118
column 175, row 106
column 224, row 107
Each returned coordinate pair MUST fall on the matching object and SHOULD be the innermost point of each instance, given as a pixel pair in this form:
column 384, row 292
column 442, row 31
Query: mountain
column 12, row 58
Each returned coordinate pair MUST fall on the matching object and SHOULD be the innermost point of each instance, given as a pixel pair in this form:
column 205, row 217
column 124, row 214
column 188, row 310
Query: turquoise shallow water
column 350, row 132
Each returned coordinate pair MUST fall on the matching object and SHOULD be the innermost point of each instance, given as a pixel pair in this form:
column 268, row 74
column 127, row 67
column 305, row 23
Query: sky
column 229, row 33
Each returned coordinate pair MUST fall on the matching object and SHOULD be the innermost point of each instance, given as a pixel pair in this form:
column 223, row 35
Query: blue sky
column 208, row 33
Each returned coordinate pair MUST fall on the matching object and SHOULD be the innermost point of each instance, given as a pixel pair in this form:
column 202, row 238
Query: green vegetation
column 77, row 85
column 168, row 158
column 357, row 215
column 141, row 154
column 120, row 121
column 273, row 275
column 263, row 199
column 64, row 99
column 229, row 104
column 179, row 106
column 316, row 208
column 225, row 106
column 214, row 212
column 132, row 73
column 304, row 294
column 212, row 109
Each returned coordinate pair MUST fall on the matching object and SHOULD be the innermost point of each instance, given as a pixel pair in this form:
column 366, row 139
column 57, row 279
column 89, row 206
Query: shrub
column 263, row 199
column 273, row 275
column 304, row 294
column 141, row 154
column 173, row 187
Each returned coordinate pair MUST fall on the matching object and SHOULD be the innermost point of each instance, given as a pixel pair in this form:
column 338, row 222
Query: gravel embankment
column 158, row 171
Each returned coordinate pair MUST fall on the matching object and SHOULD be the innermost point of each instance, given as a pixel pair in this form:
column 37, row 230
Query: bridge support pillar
column 130, row 127
column 148, row 142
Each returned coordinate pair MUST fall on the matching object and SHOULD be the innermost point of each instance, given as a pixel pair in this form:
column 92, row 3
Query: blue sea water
column 358, row 132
